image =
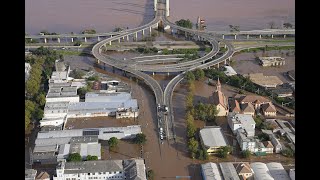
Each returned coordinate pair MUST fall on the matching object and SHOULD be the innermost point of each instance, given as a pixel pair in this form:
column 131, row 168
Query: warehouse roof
column 212, row 136
column 228, row 171
column 277, row 171
column 261, row 171
column 93, row 166
column 211, row 171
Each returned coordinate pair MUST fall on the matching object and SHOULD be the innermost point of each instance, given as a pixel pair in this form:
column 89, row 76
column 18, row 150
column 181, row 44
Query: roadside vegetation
column 89, row 31
column 184, row 23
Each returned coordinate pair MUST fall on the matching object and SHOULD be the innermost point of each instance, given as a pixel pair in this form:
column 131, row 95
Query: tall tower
column 218, row 85
column 167, row 8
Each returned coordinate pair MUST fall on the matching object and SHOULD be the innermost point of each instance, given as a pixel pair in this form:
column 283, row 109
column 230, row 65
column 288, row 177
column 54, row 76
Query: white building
column 277, row 171
column 133, row 169
column 30, row 174
column 261, row 171
column 62, row 94
column 212, row 138
column 237, row 121
column 229, row 71
column 210, row 171
column 292, row 174
column 246, row 142
column 54, row 113
column 27, row 69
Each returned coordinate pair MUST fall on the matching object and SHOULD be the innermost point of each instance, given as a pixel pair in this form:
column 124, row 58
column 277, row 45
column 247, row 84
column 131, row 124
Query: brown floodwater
column 104, row 15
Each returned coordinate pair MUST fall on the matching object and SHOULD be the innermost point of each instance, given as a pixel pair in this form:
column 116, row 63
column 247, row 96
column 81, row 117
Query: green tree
column 200, row 154
column 224, row 151
column 246, row 153
column 193, row 146
column 199, row 74
column 77, row 43
column 77, row 74
column 29, row 106
column 287, row 152
column 118, row 29
column 113, row 142
column 189, row 101
column 205, row 154
column 189, row 76
column 41, row 99
column 92, row 158
column 38, row 113
column 192, row 87
column 258, row 121
column 191, row 129
column 93, row 78
column 150, row 174
column 184, row 23
column 287, row 25
column 140, row 139
column 74, row 157
column 27, row 119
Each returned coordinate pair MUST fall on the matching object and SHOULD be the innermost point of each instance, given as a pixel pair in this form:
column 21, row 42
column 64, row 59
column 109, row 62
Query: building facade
column 220, row 101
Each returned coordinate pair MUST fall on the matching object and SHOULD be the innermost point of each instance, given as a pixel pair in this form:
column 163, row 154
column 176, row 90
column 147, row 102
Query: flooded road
column 104, row 15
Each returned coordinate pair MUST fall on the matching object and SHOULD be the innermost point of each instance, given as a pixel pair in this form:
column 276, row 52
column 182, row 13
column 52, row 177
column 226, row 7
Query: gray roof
column 30, row 174
column 86, row 149
column 64, row 150
column 210, row 171
column 93, row 166
column 107, row 97
column 228, row 171
column 84, row 139
column 261, row 171
column 212, row 136
column 135, row 169
column 245, row 120
column 51, row 128
column 52, row 141
column 50, row 148
column 277, row 171
column 44, row 156
column 62, row 92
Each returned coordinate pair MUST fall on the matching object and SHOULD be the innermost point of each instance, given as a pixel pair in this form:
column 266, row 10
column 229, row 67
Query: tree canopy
column 140, row 138
column 92, row 158
column 113, row 142
column 74, row 157
column 199, row 74
column 184, row 23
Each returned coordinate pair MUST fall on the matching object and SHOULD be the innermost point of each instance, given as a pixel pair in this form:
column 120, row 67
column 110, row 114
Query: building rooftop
column 86, row 149
column 219, row 98
column 280, row 91
column 265, row 81
column 253, row 98
column 51, row 128
column 64, row 149
column 52, row 141
column 243, row 168
column 229, row 71
column 62, row 92
column 135, row 169
column 261, row 171
column 247, row 107
column 30, row 174
column 49, row 148
column 277, row 171
column 268, row 107
column 93, row 166
column 211, row 171
column 107, row 97
column 234, row 106
column 212, row 136
column 228, row 171
column 84, row 139
column 60, row 65
column 267, row 144
column 42, row 175
column 246, row 121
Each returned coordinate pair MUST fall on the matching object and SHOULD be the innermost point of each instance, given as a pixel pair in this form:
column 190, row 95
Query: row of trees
column 42, row 63
column 76, row 157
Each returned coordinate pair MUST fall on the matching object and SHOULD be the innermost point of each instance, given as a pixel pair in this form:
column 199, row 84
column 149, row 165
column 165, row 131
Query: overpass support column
column 152, row 73
column 218, row 65
column 85, row 39
column 272, row 36
column 222, row 36
column 225, row 46
column 225, row 62
column 110, row 43
column 111, row 36
column 45, row 40
column 185, row 34
column 168, row 73
column 150, row 30
column 119, row 40
column 284, row 36
column 136, row 36
column 98, row 38
column 260, row 36
column 98, row 61
column 248, row 36
column 235, row 36
column 100, row 50
column 229, row 58
column 71, row 39
column 58, row 40
column 142, row 32
column 128, row 38
column 171, row 31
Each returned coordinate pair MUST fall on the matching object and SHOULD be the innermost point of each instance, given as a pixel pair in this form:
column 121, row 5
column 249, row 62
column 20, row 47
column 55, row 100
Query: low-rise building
column 268, row 109
column 248, row 109
column 268, row 147
column 264, row 81
column 283, row 92
column 133, row 169
column 54, row 113
column 277, row 171
column 62, row 94
column 212, row 138
column 30, row 174
column 246, row 142
column 276, row 143
column 234, row 106
column 244, row 170
column 261, row 171
column 229, row 71
column 271, row 61
column 220, row 101
column 228, row 171
column 292, row 174
column 107, row 97
column 237, row 121
column 210, row 171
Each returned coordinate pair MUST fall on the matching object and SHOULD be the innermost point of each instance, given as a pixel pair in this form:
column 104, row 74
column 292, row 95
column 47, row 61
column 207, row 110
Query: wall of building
column 222, row 111
column 57, row 122
column 63, row 99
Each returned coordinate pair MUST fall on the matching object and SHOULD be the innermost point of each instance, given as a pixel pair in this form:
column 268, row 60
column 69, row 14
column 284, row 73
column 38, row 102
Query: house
column 261, row 171
column 210, row 171
column 244, row 170
column 283, row 92
column 237, row 121
column 212, row 138
column 264, row 81
column 271, row 61
column 220, row 101
column 255, row 100
column 228, row 171
column 30, row 174
column 133, row 169
column 234, row 106
column 268, row 147
column 268, row 109
column 248, row 109
column 43, row 176
column 277, row 171
column 276, row 144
